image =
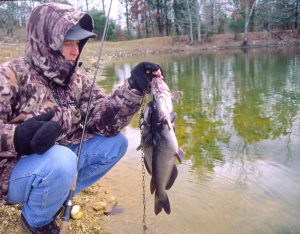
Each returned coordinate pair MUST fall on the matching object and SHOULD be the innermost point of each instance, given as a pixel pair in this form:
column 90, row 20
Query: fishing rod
column 68, row 203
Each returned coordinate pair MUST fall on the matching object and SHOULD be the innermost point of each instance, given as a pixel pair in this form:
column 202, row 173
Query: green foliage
column 273, row 14
column 99, row 24
column 236, row 24
column 149, row 18
column 180, row 17
column 8, row 19
column 15, row 13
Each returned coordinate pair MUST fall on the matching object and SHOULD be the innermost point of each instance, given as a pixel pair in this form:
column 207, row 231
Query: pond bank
column 180, row 44
column 93, row 220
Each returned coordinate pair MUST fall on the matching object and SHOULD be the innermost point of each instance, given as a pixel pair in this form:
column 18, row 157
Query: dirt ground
column 93, row 198
column 96, row 202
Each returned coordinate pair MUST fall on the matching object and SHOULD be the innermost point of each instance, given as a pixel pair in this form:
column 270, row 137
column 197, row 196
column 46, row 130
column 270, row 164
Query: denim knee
column 64, row 165
column 123, row 144
column 39, row 180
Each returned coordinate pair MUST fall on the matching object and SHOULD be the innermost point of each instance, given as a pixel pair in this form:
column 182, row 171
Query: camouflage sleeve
column 110, row 113
column 8, row 86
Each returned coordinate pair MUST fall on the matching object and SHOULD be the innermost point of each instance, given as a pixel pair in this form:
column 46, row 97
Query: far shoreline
column 9, row 215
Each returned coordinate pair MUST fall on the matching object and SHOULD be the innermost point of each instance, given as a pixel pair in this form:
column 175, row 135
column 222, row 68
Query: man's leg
column 98, row 156
column 41, row 183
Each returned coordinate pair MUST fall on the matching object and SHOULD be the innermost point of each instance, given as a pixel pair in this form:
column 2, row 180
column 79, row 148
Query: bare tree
column 103, row 7
column 297, row 17
column 87, row 5
column 198, row 20
column 126, row 3
column 158, row 17
column 190, row 21
column 249, row 7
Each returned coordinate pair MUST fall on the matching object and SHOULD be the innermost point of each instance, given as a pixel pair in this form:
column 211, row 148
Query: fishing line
column 68, row 203
column 94, row 80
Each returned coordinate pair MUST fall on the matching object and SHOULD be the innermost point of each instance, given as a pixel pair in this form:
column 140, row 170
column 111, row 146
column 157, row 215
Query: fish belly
column 164, row 170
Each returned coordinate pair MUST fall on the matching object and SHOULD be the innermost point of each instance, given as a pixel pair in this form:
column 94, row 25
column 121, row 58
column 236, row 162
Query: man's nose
column 74, row 49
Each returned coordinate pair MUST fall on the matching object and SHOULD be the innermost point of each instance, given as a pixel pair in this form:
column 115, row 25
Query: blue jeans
column 42, row 182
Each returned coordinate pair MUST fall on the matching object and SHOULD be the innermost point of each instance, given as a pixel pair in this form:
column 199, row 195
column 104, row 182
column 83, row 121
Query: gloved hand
column 141, row 76
column 37, row 134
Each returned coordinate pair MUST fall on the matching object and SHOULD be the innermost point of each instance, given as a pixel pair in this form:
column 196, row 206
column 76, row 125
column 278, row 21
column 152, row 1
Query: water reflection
column 230, row 100
column 239, row 124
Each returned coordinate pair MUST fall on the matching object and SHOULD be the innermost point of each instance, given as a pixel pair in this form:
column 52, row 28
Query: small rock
column 113, row 200
column 5, row 223
column 100, row 206
column 76, row 212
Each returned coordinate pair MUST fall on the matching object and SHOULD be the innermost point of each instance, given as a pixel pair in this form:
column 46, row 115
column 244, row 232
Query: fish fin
column 162, row 202
column 170, row 125
column 172, row 178
column 146, row 141
column 176, row 95
column 139, row 147
column 157, row 208
column 147, row 167
column 152, row 185
column 180, row 155
column 173, row 116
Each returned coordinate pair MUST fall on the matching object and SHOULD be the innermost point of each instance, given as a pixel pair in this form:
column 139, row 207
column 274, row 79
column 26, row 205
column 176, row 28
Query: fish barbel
column 159, row 143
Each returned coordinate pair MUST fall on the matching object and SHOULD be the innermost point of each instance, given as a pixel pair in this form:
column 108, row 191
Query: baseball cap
column 78, row 33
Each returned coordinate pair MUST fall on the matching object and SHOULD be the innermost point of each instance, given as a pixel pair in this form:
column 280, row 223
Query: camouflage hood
column 46, row 28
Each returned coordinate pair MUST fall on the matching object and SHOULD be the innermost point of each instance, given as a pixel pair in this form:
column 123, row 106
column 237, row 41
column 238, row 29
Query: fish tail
column 161, row 202
column 152, row 185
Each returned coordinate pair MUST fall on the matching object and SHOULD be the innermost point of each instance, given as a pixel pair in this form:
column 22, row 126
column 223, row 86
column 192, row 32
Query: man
column 43, row 103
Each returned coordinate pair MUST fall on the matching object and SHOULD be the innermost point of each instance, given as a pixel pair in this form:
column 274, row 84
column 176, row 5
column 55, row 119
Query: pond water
column 239, row 125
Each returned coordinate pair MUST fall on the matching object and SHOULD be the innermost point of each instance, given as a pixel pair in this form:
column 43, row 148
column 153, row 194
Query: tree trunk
column 248, row 15
column 198, row 21
column 190, row 21
column 103, row 7
column 166, row 18
column 158, row 17
column 146, row 23
column 87, row 5
column 126, row 18
column 245, row 42
column 297, row 17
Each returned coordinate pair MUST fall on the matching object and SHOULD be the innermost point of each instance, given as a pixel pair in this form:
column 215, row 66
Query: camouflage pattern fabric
column 43, row 80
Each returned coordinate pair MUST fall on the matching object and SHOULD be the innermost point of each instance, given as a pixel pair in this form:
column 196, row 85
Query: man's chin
column 71, row 61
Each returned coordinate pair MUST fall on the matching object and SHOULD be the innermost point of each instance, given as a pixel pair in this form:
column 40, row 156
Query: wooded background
column 198, row 19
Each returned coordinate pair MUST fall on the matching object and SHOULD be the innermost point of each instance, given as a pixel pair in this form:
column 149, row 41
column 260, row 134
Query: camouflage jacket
column 43, row 80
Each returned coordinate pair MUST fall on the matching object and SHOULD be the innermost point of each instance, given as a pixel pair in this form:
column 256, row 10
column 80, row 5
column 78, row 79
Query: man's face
column 70, row 50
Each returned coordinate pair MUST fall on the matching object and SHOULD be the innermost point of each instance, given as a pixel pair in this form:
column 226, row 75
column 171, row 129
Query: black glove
column 141, row 76
column 37, row 134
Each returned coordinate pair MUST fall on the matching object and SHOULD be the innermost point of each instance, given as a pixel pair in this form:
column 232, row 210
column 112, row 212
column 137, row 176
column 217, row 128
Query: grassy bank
column 93, row 219
column 159, row 45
